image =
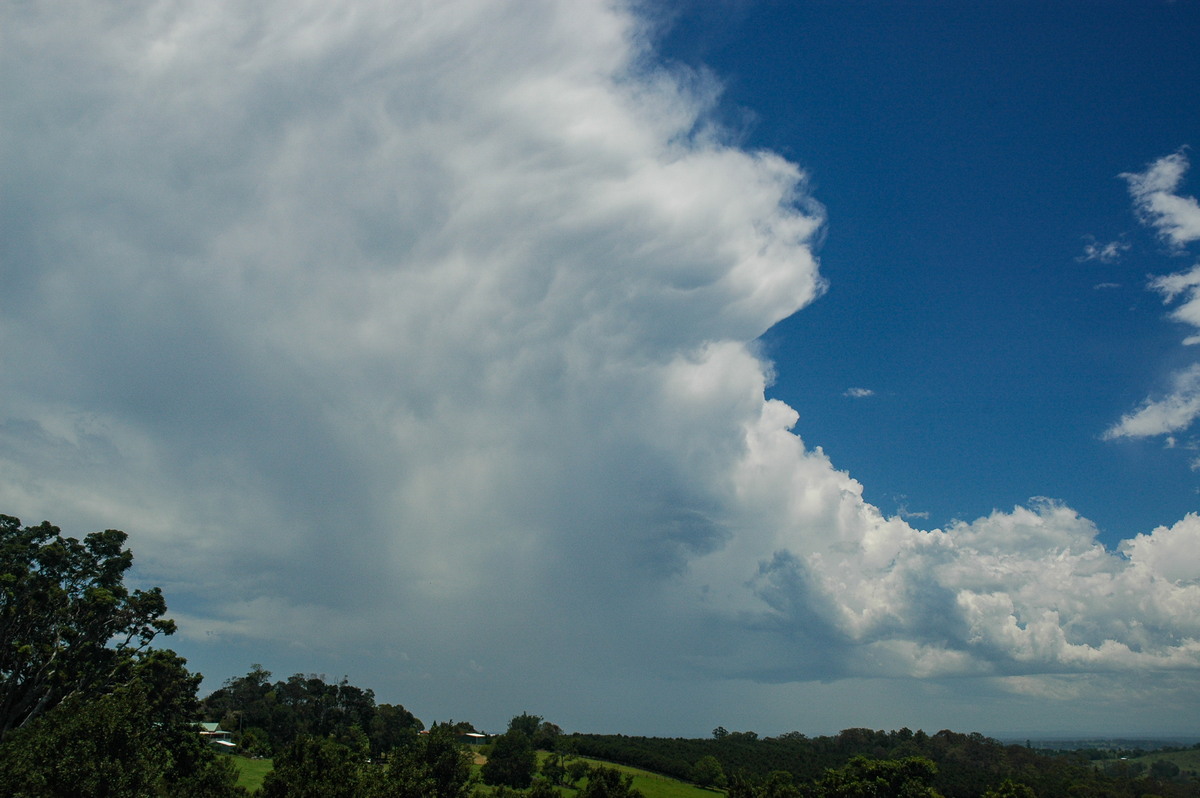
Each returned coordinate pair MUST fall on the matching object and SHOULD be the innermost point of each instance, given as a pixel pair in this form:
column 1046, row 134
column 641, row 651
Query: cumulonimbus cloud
column 443, row 316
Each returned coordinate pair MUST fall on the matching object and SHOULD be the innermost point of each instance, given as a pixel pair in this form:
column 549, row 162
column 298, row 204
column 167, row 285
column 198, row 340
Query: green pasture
column 251, row 772
column 653, row 785
column 1187, row 760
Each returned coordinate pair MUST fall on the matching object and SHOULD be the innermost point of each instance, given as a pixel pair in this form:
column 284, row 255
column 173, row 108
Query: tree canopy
column 268, row 716
column 86, row 706
column 512, row 762
column 70, row 626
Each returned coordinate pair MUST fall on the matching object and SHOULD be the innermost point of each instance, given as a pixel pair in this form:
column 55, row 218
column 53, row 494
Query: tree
column 171, row 711
column 1164, row 769
column 547, row 736
column 708, row 772
column 554, row 769
column 512, row 761
column 609, row 783
column 254, row 742
column 1011, row 789
column 308, row 704
column 392, row 727
column 121, row 745
column 543, row 789
column 448, row 764
column 313, row 767
column 86, row 707
column 780, row 784
column 741, row 787
column 888, row 778
column 434, row 766
column 70, row 628
column 577, row 771
column 525, row 723
column 104, row 748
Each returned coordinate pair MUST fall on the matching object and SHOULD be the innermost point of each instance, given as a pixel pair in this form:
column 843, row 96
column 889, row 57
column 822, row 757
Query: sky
column 651, row 366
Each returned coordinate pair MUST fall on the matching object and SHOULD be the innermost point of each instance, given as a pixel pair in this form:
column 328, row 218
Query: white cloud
column 1171, row 552
column 1171, row 413
column 1110, row 252
column 858, row 393
column 1176, row 218
column 1188, row 284
column 385, row 328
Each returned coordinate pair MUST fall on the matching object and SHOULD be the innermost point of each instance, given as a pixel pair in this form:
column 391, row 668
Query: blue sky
column 967, row 154
column 653, row 368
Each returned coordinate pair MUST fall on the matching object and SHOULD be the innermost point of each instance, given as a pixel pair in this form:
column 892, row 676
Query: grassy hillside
column 652, row 785
column 251, row 772
column 655, row 785
column 1188, row 760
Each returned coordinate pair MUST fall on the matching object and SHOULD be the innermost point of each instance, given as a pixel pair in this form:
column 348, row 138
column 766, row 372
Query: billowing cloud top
column 391, row 326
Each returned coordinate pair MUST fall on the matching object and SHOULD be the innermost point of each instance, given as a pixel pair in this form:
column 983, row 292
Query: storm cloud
column 424, row 335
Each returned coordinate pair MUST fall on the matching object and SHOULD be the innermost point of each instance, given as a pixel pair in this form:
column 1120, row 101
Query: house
column 215, row 736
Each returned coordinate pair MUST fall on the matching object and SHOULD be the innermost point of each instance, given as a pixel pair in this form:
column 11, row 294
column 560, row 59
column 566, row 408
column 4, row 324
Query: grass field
column 251, row 772
column 1187, row 760
column 653, row 785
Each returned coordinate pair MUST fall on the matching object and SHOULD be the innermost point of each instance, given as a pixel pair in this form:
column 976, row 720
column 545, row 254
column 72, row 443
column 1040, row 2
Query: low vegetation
column 89, row 708
column 251, row 771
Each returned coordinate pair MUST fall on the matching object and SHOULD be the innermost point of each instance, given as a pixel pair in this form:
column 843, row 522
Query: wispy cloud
column 1171, row 413
column 1172, row 286
column 1177, row 218
column 1109, row 252
column 858, row 393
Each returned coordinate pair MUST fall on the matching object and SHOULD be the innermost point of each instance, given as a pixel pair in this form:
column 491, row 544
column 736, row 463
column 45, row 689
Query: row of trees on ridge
column 89, row 707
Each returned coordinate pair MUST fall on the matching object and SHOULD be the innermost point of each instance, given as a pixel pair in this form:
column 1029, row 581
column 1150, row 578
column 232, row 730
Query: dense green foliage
column 910, row 777
column 314, row 767
column 432, row 765
column 70, row 626
column 967, row 765
column 603, row 782
column 708, row 772
column 86, row 706
column 89, row 708
column 266, row 717
column 511, row 762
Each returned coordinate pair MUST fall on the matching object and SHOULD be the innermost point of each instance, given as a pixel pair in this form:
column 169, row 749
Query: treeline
column 88, row 707
column 266, row 716
column 436, row 765
column 964, row 765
